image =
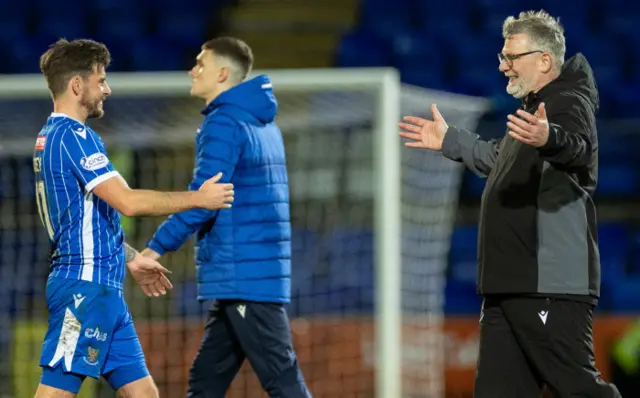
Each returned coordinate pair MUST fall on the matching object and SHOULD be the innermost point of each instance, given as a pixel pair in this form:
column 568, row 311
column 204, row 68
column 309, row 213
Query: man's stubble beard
column 92, row 107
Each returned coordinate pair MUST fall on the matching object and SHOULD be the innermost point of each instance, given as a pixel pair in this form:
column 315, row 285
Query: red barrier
column 337, row 356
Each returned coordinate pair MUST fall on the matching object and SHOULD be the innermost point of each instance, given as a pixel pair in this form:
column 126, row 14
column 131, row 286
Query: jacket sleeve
column 219, row 151
column 570, row 140
column 464, row 146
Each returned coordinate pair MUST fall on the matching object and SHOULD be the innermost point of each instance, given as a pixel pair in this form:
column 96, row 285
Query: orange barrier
column 337, row 355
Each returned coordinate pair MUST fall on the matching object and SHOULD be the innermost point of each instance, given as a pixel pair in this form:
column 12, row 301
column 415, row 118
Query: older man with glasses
column 538, row 261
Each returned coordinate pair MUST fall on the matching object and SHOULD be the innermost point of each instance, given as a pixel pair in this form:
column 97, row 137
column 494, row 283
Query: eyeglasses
column 509, row 58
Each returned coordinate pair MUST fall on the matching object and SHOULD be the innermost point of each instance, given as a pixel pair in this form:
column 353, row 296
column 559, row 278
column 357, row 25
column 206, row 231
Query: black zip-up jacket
column 537, row 232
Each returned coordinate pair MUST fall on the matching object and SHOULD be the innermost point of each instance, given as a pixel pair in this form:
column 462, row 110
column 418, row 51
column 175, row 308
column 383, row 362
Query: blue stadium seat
column 58, row 8
column 424, row 7
column 342, row 282
column 621, row 6
column 617, row 148
column 305, row 253
column 384, row 17
column 625, row 295
column 25, row 178
column 362, row 48
column 121, row 25
column 507, row 8
column 13, row 24
column 571, row 17
column 67, row 26
column 481, row 80
column 419, row 59
column 23, row 268
column 479, row 52
column 614, row 242
column 575, row 41
column 608, row 77
column 350, row 256
column 202, row 6
column 184, row 299
column 185, row 27
column 608, row 107
column 65, row 19
column 350, row 268
column 424, row 77
column 441, row 19
column 492, row 24
column 627, row 30
column 465, row 237
column 627, row 99
column 416, row 48
column 463, row 255
column 599, row 49
column 492, row 13
column 472, row 185
column 635, row 252
column 461, row 299
column 119, row 49
column 24, row 53
column 617, row 180
column 158, row 54
column 104, row 7
column 450, row 32
column 607, row 72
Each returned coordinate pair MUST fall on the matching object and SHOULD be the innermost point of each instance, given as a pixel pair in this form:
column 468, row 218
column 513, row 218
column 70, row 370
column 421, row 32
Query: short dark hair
column 65, row 59
column 236, row 50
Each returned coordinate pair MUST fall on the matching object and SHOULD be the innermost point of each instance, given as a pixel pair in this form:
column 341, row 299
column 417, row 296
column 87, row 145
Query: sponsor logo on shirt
column 95, row 161
column 95, row 334
column 40, row 142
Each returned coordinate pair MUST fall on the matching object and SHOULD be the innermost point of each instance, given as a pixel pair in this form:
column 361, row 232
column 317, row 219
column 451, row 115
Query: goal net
column 371, row 224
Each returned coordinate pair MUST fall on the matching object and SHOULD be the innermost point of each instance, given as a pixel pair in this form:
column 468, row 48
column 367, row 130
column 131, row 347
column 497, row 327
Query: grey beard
column 518, row 91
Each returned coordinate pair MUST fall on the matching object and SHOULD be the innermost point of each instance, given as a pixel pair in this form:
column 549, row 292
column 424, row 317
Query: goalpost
column 371, row 224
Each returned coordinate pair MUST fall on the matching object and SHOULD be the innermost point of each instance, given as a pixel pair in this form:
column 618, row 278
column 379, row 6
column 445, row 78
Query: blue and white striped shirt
column 70, row 160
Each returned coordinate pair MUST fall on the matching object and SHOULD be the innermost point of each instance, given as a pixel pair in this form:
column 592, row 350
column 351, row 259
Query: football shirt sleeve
column 88, row 157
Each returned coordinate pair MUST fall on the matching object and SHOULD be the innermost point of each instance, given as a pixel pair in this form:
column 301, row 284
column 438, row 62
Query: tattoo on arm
column 129, row 253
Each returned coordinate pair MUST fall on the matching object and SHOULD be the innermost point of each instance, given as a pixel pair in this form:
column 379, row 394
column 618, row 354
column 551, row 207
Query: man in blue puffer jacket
column 243, row 255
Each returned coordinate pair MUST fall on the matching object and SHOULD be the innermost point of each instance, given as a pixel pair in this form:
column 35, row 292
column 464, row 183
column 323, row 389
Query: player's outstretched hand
column 150, row 275
column 530, row 129
column 216, row 196
column 423, row 133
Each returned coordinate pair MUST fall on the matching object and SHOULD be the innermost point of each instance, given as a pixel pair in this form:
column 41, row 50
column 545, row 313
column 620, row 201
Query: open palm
column 150, row 276
column 424, row 133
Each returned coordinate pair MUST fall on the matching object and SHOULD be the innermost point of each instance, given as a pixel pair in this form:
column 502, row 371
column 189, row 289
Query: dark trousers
column 259, row 332
column 527, row 343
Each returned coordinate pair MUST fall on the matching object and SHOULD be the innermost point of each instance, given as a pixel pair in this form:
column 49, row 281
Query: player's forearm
column 142, row 202
column 150, row 253
column 129, row 253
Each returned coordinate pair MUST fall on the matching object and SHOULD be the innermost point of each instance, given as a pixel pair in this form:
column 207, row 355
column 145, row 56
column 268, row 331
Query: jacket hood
column 576, row 76
column 254, row 96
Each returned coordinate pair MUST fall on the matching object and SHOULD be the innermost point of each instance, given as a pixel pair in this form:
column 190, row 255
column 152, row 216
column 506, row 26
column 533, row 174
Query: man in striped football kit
column 80, row 196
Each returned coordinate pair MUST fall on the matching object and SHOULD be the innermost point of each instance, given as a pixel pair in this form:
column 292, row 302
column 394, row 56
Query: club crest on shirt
column 92, row 356
column 95, row 161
